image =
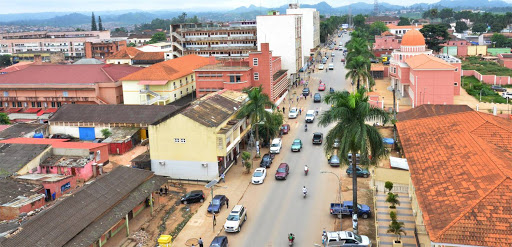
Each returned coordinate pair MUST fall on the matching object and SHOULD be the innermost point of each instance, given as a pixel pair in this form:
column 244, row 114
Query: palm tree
column 272, row 125
column 349, row 112
column 358, row 70
column 392, row 198
column 245, row 160
column 255, row 107
column 397, row 228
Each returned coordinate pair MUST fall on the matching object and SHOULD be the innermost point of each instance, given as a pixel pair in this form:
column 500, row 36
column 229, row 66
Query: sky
column 35, row 6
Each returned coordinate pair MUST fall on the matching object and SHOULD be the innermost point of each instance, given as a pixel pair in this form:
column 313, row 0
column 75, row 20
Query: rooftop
column 21, row 129
column 88, row 61
column 43, row 177
column 426, row 62
column 68, row 74
column 461, row 171
column 425, row 111
column 56, row 143
column 13, row 157
column 413, row 37
column 107, row 114
column 10, row 190
column 392, row 26
column 136, row 54
column 169, row 70
column 65, row 161
column 214, row 109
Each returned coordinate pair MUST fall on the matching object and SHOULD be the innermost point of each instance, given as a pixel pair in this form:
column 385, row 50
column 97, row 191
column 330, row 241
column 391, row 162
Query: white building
column 283, row 33
column 310, row 28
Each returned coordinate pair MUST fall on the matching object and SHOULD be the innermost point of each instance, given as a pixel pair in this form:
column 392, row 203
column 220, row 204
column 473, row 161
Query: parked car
column 332, row 54
column 296, row 145
column 374, row 60
column 498, row 88
column 275, row 147
column 310, row 116
column 293, row 112
column 346, row 238
column 343, row 60
column 317, row 98
column 216, row 204
column 193, row 196
column 336, row 143
column 219, row 241
column 321, row 87
column 321, row 66
column 347, row 207
column 266, row 161
column 61, row 136
column 305, row 91
column 506, row 95
column 318, row 138
column 259, row 175
column 236, row 219
column 334, row 160
column 331, row 66
column 282, row 171
column 285, row 128
column 360, row 172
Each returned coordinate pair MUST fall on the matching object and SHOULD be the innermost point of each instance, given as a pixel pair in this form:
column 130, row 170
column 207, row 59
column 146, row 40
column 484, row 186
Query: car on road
column 332, row 54
column 259, row 175
column 321, row 87
column 282, row 171
column 193, row 196
column 310, row 116
column 285, row 128
column 219, row 241
column 343, row 60
column 236, row 219
column 346, row 238
column 334, row 160
column 216, row 204
column 293, row 112
column 266, row 160
column 305, row 91
column 320, row 66
column 275, row 147
column 506, row 95
column 331, row 66
column 498, row 88
column 296, row 145
column 318, row 138
column 360, row 172
column 317, row 98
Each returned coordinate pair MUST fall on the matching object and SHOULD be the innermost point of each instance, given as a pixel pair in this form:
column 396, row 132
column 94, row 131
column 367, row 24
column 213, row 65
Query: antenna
column 376, row 7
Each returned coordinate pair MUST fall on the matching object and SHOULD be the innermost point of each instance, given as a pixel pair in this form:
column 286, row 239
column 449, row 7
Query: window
column 176, row 140
column 6, row 94
column 182, row 140
column 256, row 76
column 13, row 104
column 73, row 102
column 456, row 69
column 53, row 104
column 38, row 104
column 254, row 62
column 65, row 93
column 174, row 95
column 59, row 104
column 181, row 92
column 394, row 70
column 19, row 104
column 234, row 78
column 400, row 57
column 33, row 104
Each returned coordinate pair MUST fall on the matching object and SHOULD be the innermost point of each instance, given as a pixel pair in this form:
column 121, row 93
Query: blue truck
column 346, row 208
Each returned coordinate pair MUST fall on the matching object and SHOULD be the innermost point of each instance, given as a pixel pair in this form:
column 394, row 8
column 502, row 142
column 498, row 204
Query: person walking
column 300, row 111
column 227, row 202
column 284, row 110
column 200, row 242
column 214, row 220
column 222, row 177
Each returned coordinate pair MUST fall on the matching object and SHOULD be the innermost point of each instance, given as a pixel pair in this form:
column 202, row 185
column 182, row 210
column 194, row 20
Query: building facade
column 394, row 20
column 310, row 28
column 235, row 39
column 283, row 33
column 401, row 30
column 416, row 73
column 72, row 44
column 385, row 43
column 135, row 57
column 103, row 49
column 162, row 83
column 259, row 69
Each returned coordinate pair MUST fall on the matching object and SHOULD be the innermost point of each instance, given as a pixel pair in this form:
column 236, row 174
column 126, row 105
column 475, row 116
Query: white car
column 310, row 117
column 293, row 113
column 331, row 66
column 259, row 175
column 275, row 147
column 235, row 219
column 506, row 95
column 332, row 54
column 348, row 238
column 321, row 66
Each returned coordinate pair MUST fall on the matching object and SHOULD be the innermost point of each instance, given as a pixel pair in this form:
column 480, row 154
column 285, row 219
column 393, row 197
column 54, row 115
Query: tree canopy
column 499, row 40
column 157, row 37
column 404, row 21
column 435, row 35
column 461, row 26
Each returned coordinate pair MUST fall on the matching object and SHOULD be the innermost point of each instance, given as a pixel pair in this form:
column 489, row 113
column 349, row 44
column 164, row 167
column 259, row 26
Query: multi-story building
column 283, row 33
column 162, row 83
column 426, row 79
column 261, row 68
column 385, row 43
column 384, row 19
column 72, row 44
column 233, row 39
column 310, row 31
column 401, row 30
column 103, row 49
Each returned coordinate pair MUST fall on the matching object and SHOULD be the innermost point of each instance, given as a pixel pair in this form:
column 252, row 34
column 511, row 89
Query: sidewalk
column 404, row 214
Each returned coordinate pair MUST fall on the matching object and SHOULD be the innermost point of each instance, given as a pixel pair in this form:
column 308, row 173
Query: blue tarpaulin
column 388, row 140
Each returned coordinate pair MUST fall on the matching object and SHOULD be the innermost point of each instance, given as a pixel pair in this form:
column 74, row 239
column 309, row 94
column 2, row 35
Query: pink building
column 260, row 68
column 394, row 20
column 427, row 79
column 505, row 60
column 385, row 43
column 461, row 44
column 55, row 185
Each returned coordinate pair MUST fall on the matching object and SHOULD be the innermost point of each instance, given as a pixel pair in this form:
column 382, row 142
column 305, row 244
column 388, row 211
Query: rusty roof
column 429, row 110
column 460, row 166
column 169, row 70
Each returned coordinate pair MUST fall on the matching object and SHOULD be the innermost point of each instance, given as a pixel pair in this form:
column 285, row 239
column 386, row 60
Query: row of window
column 64, row 94
column 209, row 75
column 180, row 140
column 18, row 104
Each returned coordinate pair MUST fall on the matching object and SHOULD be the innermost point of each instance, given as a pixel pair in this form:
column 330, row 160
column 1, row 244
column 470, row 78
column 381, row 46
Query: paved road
column 277, row 208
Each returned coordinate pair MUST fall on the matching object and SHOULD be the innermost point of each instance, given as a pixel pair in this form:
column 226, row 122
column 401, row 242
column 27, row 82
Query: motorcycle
column 306, row 171
column 290, row 240
column 305, row 193
column 306, row 128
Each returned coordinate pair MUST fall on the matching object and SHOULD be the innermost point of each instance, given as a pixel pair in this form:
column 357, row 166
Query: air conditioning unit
column 162, row 163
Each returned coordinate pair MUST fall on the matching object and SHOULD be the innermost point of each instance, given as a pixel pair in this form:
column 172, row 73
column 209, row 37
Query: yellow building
column 162, row 83
column 201, row 141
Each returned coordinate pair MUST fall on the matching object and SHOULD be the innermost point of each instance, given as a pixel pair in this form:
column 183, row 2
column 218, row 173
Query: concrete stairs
column 404, row 214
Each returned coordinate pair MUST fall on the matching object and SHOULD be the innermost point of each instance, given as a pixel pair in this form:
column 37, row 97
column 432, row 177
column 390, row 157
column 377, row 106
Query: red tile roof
column 169, row 70
column 461, row 169
column 16, row 67
column 126, row 53
column 424, row 61
column 68, row 74
column 56, row 143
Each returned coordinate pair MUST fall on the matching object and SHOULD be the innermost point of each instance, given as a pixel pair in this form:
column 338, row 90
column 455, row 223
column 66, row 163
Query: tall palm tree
column 255, row 107
column 358, row 70
column 349, row 112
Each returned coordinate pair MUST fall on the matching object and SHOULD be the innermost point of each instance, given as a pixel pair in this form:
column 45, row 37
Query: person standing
column 200, row 242
column 300, row 111
column 227, row 202
column 284, row 110
column 214, row 220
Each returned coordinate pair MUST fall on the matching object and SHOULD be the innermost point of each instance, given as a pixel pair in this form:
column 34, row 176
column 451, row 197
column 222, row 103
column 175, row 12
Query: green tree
column 392, row 198
column 404, row 21
column 446, row 14
column 377, row 28
column 93, row 23
column 392, row 215
column 435, row 35
column 430, row 14
column 5, row 60
column 246, row 156
column 158, row 37
column 131, row 44
column 349, row 112
column 255, row 107
column 120, row 29
column 182, row 18
column 4, row 119
column 359, row 20
column 479, row 27
column 106, row 133
column 389, row 186
column 358, row 70
column 79, row 29
column 396, row 228
column 100, row 25
column 461, row 26
column 272, row 126
column 499, row 40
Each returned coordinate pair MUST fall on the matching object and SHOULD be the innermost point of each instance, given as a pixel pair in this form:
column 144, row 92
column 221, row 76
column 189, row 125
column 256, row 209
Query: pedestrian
column 284, row 110
column 166, row 190
column 300, row 111
column 222, row 177
column 298, row 97
column 227, row 202
column 214, row 220
column 161, row 191
column 200, row 242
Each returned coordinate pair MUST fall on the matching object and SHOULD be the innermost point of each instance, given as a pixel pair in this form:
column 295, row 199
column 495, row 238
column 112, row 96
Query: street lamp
column 339, row 185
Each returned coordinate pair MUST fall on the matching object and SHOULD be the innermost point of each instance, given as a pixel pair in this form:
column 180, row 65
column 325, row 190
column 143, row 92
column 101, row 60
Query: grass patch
column 186, row 214
column 473, row 87
column 485, row 67
column 162, row 226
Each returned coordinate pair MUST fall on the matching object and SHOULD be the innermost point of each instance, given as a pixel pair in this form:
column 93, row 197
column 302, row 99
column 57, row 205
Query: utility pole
column 376, row 7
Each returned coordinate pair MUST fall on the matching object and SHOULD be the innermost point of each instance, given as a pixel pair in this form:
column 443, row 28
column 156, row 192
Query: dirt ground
column 124, row 159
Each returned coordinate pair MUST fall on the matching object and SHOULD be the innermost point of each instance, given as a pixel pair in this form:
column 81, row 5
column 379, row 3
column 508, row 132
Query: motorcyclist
column 304, row 190
column 306, row 169
column 291, row 237
column 306, row 127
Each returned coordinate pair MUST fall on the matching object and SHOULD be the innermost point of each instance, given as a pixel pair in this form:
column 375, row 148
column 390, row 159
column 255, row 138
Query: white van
column 310, row 116
column 506, row 95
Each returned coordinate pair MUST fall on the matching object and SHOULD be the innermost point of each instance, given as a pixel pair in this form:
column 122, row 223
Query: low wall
column 488, row 79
